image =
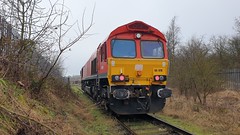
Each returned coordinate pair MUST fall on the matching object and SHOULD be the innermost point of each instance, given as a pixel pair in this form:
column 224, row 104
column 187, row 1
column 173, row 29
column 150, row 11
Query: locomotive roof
column 137, row 26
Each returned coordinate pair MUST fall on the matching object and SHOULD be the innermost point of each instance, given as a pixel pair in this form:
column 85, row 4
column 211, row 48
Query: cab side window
column 103, row 52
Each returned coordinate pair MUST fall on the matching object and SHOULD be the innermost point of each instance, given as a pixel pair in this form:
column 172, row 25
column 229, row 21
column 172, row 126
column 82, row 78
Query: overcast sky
column 194, row 17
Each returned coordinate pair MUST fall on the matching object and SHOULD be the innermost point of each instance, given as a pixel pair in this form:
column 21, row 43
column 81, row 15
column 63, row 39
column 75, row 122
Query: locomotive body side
column 131, row 70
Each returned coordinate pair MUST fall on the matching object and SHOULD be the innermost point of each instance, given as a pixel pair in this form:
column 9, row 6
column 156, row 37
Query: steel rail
column 174, row 128
column 127, row 129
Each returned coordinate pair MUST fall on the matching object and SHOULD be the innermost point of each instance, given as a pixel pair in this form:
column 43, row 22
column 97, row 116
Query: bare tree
column 61, row 33
column 220, row 51
column 173, row 41
column 42, row 32
column 234, row 49
column 172, row 36
column 237, row 25
column 31, row 25
column 196, row 71
column 234, row 45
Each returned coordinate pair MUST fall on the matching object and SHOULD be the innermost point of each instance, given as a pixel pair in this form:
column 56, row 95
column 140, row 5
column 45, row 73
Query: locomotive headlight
column 161, row 78
column 116, row 77
column 138, row 35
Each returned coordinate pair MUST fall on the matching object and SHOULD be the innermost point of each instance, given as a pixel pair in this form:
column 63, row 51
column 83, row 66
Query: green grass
column 44, row 110
column 192, row 128
column 2, row 82
column 76, row 90
column 140, row 127
column 101, row 123
column 13, row 98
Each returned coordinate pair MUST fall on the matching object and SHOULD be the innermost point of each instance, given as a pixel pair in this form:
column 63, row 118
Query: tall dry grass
column 221, row 114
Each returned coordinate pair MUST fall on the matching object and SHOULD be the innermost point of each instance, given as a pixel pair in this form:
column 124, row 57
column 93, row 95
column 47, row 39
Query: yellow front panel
column 140, row 71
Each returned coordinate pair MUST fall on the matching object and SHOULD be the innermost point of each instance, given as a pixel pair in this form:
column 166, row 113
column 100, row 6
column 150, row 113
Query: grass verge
column 185, row 125
column 73, row 113
column 100, row 122
column 220, row 116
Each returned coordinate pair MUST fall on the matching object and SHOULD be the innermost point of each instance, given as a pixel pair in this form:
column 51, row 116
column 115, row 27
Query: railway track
column 148, row 125
column 145, row 124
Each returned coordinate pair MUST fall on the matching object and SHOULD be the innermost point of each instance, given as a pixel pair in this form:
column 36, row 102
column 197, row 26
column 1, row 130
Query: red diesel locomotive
column 128, row 71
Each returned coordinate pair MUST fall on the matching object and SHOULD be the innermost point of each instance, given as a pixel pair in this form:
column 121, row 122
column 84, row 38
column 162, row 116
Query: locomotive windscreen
column 123, row 48
column 152, row 49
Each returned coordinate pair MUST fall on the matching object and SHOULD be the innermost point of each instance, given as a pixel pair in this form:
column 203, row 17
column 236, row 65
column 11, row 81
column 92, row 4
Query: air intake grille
column 138, row 26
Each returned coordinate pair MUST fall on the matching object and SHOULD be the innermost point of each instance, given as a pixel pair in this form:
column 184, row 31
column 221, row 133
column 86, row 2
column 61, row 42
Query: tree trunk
column 199, row 98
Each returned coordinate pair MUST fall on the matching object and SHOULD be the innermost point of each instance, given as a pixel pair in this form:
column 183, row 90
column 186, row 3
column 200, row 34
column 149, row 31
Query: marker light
column 138, row 35
column 157, row 78
column 122, row 78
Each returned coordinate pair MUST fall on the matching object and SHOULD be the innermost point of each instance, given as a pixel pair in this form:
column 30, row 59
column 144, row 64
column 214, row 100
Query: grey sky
column 196, row 18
